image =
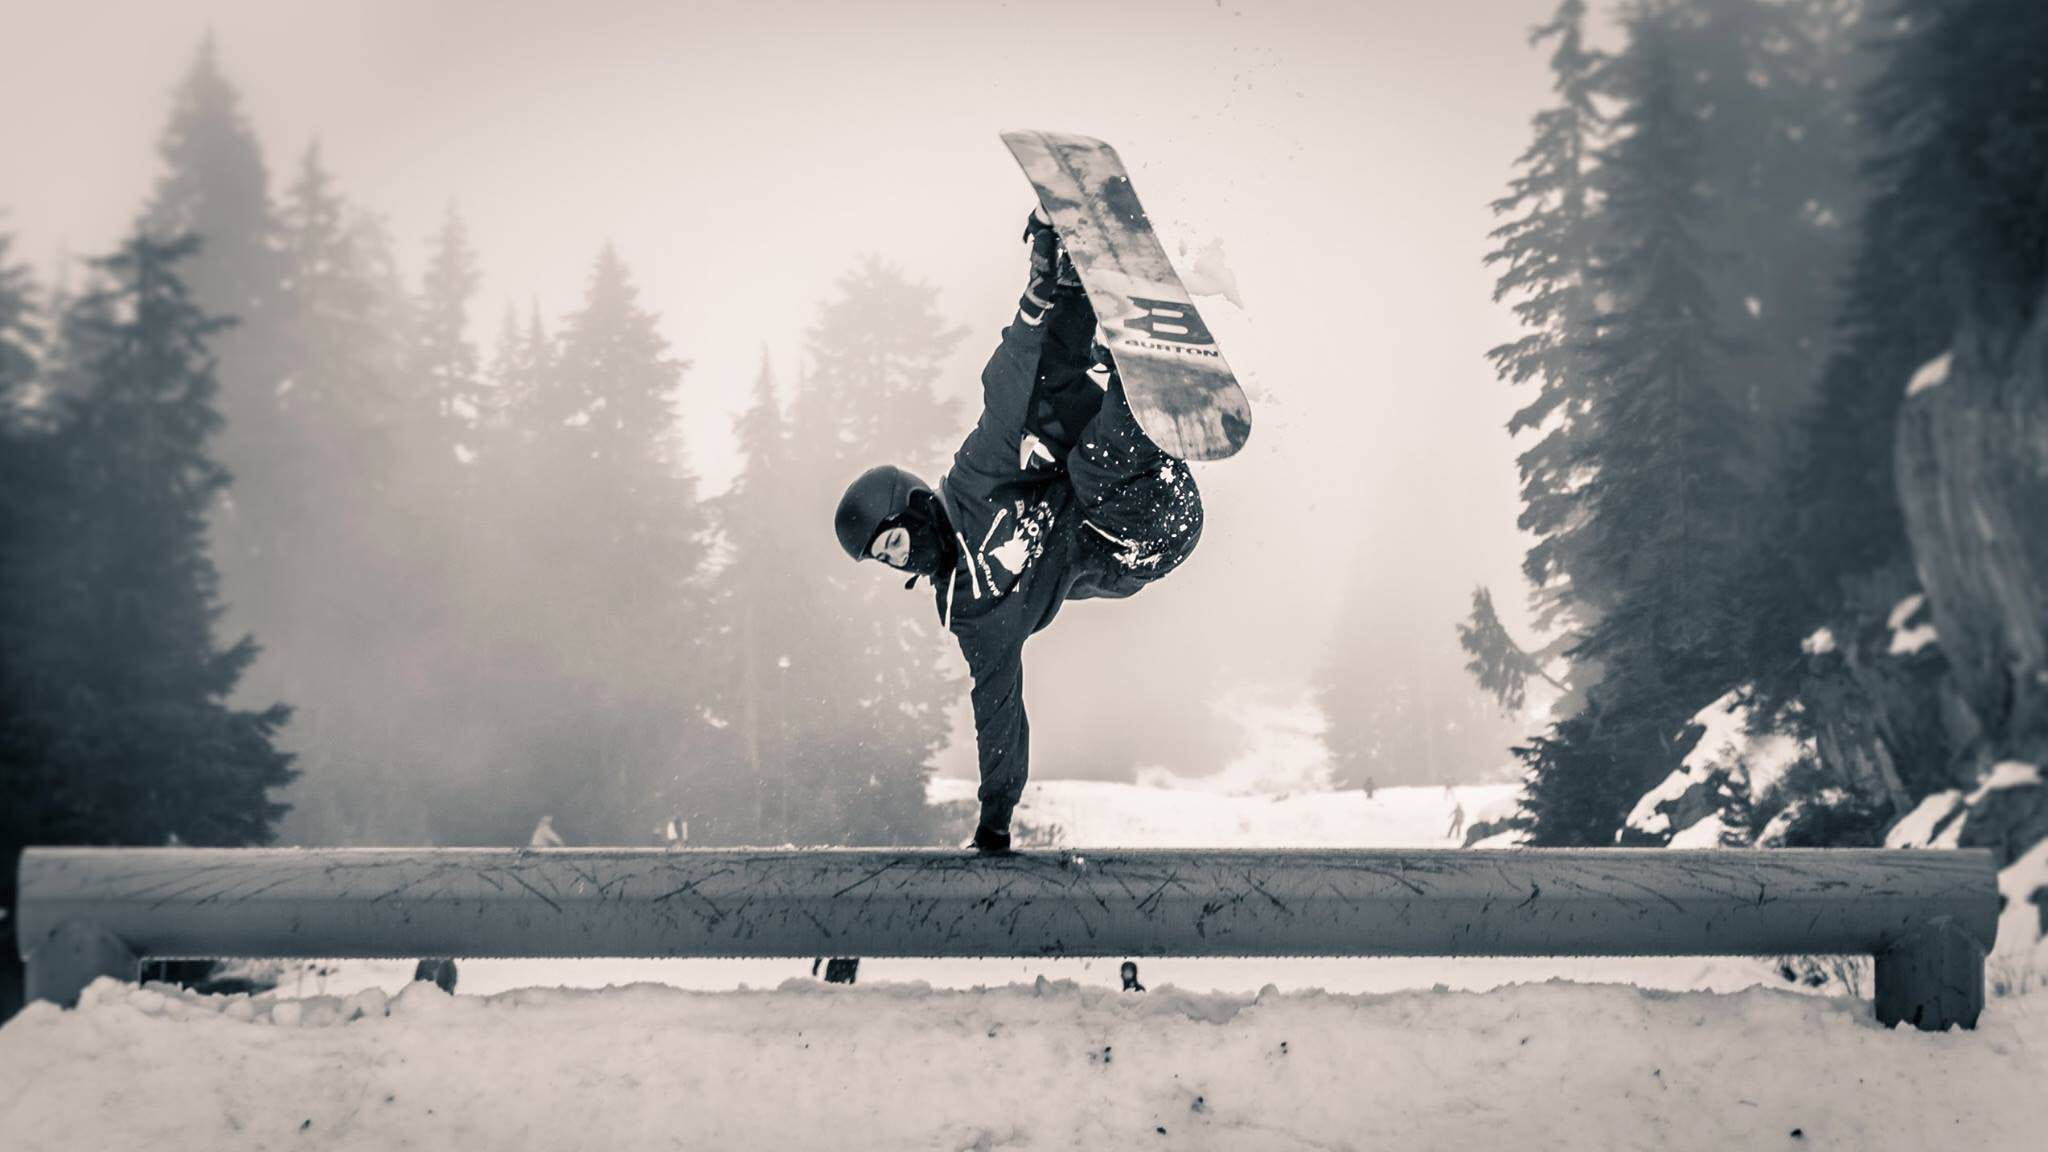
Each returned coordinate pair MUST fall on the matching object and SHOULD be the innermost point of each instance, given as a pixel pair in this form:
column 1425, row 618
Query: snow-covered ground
column 1169, row 813
column 1049, row 1066
column 1023, row 1054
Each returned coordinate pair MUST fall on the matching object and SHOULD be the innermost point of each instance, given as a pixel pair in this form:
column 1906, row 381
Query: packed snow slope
column 1163, row 811
column 1050, row 1066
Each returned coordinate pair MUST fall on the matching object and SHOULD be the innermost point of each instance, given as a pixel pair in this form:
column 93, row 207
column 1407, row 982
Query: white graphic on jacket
column 1015, row 539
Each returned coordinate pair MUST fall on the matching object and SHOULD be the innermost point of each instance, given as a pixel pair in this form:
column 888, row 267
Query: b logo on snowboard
column 1170, row 320
column 1173, row 326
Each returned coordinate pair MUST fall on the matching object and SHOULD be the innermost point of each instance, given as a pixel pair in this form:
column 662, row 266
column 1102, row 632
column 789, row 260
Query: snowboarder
column 1057, row 494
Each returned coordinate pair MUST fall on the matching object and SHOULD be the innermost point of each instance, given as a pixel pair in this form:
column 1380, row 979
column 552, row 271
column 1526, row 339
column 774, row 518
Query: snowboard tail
column 1177, row 382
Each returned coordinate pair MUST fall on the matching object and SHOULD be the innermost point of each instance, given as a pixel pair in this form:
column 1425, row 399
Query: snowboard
column 1179, row 386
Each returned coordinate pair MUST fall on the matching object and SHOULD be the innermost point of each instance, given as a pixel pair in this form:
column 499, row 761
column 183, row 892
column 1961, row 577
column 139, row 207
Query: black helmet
column 879, row 494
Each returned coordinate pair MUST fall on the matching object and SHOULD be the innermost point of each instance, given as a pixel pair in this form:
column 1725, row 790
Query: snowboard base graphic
column 1178, row 384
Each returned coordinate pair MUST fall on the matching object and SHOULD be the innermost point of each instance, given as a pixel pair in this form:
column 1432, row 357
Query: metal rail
column 1928, row 917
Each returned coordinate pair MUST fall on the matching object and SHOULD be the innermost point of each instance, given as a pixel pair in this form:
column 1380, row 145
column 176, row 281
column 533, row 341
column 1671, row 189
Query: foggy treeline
column 462, row 587
column 1732, row 242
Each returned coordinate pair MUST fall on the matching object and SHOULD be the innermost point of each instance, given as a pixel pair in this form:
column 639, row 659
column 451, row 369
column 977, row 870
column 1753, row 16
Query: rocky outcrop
column 2009, row 814
column 1972, row 472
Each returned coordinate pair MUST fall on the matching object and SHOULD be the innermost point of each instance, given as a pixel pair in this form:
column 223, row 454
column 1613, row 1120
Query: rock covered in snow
column 1935, row 823
column 2008, row 813
column 1729, row 768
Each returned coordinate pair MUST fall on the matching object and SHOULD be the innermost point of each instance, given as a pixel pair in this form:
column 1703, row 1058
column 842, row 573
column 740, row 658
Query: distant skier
column 544, row 834
column 1129, row 974
column 1457, row 827
column 1055, row 495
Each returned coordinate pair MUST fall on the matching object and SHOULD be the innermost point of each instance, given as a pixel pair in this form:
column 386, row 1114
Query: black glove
column 1051, row 270
column 990, row 842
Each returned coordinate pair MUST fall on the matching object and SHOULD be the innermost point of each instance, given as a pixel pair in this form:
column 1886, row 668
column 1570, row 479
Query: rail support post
column 1933, row 978
column 72, row 956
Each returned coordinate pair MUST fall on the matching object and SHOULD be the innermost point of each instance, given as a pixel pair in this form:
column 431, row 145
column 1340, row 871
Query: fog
column 1334, row 159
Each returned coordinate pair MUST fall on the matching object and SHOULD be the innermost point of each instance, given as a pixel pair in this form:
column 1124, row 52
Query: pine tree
column 1501, row 666
column 1662, row 494
column 444, row 359
column 613, row 534
column 215, row 185
column 764, row 606
column 344, row 575
column 339, row 306
column 117, row 727
column 1546, row 247
column 1771, row 83
column 20, row 335
column 869, row 696
column 521, row 361
column 501, row 621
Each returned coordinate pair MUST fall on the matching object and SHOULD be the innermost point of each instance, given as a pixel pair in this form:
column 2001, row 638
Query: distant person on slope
column 544, row 834
column 1055, row 495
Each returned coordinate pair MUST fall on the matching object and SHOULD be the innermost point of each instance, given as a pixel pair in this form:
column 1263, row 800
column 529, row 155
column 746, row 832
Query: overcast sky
column 1340, row 155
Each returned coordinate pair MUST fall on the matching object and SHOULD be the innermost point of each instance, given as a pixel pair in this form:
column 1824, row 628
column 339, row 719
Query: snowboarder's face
column 910, row 541
column 892, row 547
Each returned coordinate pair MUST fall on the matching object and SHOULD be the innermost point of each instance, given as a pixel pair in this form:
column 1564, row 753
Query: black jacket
column 1022, row 546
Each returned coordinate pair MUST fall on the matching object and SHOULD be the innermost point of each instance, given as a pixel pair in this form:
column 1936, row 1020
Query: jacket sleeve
column 1002, row 733
column 991, row 450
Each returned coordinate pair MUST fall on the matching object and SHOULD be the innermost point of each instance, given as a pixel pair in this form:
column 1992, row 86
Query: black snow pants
column 1140, row 504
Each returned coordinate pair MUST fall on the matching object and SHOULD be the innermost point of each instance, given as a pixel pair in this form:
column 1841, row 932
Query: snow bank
column 1751, row 761
column 1103, row 814
column 1646, row 816
column 2019, row 960
column 1049, row 1066
column 2006, row 774
column 1727, row 742
column 1935, row 823
column 1710, row 832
